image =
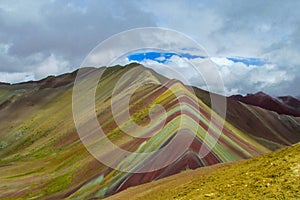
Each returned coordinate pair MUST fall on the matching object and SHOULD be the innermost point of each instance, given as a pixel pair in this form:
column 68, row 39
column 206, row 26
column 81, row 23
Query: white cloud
column 161, row 58
column 222, row 61
column 51, row 66
column 170, row 69
column 15, row 77
column 240, row 78
column 121, row 61
column 142, row 39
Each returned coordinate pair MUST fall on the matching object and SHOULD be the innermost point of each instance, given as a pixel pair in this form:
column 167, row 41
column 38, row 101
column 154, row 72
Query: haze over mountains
column 37, row 130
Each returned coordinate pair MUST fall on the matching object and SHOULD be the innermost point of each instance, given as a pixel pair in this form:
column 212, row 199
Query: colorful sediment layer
column 42, row 155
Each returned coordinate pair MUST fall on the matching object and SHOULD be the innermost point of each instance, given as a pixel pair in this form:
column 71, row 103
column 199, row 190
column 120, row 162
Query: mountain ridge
column 282, row 105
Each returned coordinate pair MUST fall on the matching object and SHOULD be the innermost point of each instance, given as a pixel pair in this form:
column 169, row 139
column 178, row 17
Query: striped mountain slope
column 42, row 156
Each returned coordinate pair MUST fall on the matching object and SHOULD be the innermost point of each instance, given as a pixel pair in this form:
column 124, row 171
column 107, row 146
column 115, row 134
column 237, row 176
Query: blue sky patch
column 162, row 57
column 248, row 61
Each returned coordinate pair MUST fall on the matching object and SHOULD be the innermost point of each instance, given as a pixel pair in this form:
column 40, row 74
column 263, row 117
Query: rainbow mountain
column 43, row 157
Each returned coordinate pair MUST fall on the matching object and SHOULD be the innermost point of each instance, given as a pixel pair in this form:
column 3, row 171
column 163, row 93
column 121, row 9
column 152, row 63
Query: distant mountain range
column 41, row 154
column 282, row 105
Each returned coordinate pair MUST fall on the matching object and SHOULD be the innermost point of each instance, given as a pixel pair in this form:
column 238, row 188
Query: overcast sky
column 40, row 38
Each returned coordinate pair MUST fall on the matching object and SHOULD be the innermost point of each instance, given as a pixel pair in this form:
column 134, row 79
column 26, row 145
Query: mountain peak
column 260, row 93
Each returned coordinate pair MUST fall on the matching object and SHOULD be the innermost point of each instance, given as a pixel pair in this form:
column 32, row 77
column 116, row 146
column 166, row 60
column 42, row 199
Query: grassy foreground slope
column 272, row 176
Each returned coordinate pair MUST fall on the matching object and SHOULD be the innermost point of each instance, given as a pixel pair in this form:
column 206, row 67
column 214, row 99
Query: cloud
column 51, row 66
column 31, row 32
column 241, row 78
column 268, row 30
column 237, row 77
column 198, row 72
column 15, row 77
column 222, row 61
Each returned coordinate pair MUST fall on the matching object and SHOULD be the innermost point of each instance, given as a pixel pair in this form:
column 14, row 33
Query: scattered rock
column 209, row 195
